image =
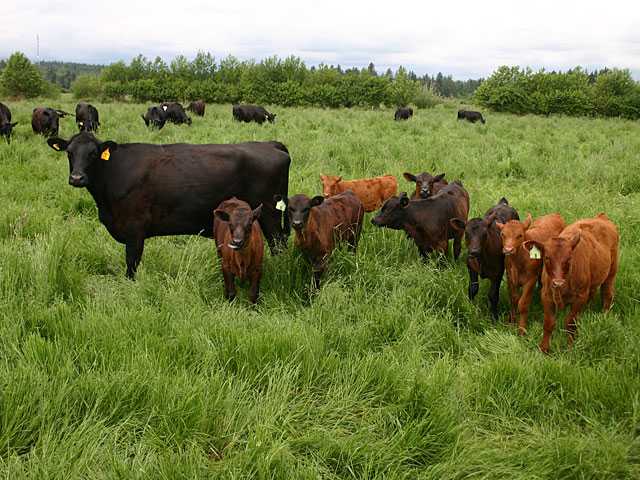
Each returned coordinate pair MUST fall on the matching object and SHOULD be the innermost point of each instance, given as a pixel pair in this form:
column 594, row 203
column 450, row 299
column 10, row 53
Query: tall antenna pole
column 38, row 47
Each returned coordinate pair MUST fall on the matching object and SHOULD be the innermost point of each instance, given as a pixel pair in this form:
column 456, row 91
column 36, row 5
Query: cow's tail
column 63, row 114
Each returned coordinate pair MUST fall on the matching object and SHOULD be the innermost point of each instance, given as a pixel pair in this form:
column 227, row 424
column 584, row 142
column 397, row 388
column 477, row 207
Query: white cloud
column 466, row 38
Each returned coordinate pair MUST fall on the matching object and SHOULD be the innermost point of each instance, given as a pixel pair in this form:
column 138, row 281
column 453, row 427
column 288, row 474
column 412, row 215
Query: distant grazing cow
column 321, row 224
column 583, row 258
column 426, row 221
column 485, row 257
column 87, row 117
column 175, row 113
column 6, row 126
column 144, row 190
column 46, row 121
column 155, row 116
column 403, row 113
column 239, row 244
column 252, row 113
column 470, row 116
column 523, row 268
column 426, row 184
column 197, row 107
column 372, row 192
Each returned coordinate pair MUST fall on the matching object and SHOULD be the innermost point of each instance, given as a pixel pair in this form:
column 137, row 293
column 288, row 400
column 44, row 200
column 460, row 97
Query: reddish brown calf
column 523, row 271
column 239, row 244
column 372, row 192
column 583, row 258
column 426, row 184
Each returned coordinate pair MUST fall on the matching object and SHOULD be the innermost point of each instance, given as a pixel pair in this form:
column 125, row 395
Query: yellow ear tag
column 534, row 253
column 281, row 206
column 105, row 155
column 56, row 146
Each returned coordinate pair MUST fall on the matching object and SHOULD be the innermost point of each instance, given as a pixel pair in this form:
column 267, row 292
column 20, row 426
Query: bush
column 427, row 98
column 87, row 86
column 20, row 78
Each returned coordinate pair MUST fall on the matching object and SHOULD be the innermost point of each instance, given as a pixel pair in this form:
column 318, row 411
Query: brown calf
column 583, row 258
column 239, row 244
column 523, row 271
column 426, row 184
column 321, row 224
column 372, row 192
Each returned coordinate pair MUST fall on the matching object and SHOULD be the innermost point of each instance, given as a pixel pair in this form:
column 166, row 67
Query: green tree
column 20, row 78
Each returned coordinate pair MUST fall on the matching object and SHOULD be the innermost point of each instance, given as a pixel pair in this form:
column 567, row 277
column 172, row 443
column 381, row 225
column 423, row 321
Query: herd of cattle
column 238, row 194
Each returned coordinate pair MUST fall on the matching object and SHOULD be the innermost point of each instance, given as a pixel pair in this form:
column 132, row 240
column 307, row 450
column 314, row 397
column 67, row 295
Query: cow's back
column 545, row 227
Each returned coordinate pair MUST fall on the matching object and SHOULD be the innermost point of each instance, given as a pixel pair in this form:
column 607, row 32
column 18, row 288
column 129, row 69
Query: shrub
column 20, row 78
column 87, row 86
column 427, row 97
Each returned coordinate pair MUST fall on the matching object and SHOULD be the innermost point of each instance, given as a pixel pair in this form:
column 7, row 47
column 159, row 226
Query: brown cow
column 372, row 192
column 321, row 224
column 523, row 271
column 426, row 184
column 239, row 245
column 197, row 107
column 46, row 121
column 583, row 258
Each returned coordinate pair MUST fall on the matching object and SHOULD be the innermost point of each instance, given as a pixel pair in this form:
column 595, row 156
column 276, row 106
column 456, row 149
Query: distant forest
column 63, row 74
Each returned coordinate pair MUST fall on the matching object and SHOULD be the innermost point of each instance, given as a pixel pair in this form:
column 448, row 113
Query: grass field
column 387, row 372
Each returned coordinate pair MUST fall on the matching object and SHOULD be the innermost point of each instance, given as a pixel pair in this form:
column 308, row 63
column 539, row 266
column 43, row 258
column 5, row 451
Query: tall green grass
column 388, row 371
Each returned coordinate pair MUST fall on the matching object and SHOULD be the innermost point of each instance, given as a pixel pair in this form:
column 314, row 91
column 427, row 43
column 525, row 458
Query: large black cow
column 197, row 107
column 470, row 116
column 5, row 122
column 87, row 117
column 403, row 113
column 252, row 113
column 175, row 113
column 143, row 190
column 46, row 121
column 155, row 116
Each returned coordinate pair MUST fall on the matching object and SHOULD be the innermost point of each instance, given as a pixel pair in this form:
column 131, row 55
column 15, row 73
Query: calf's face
column 424, row 183
column 392, row 213
column 330, row 185
column 83, row 152
column 556, row 255
column 512, row 234
column 298, row 208
column 240, row 221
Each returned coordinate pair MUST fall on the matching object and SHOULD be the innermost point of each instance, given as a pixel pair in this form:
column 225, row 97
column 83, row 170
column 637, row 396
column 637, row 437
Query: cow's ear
column 439, row 177
column 574, row 240
column 13, row 124
column 529, row 244
column 489, row 220
column 108, row 145
column 279, row 198
column 503, row 201
column 500, row 225
column 409, row 176
column 58, row 144
column 527, row 223
column 221, row 215
column 338, row 179
column 257, row 212
column 404, row 199
column 146, row 122
column 458, row 224
column 317, row 200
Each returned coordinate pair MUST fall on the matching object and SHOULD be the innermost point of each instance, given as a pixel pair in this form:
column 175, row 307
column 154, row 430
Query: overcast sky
column 464, row 38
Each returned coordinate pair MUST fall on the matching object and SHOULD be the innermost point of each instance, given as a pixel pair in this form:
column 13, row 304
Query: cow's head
column 240, row 218
column 155, row 116
column 86, row 125
column 424, row 183
column 271, row 117
column 299, row 207
column 392, row 214
column 476, row 232
column 6, row 130
column 556, row 255
column 512, row 234
column 330, row 185
column 84, row 152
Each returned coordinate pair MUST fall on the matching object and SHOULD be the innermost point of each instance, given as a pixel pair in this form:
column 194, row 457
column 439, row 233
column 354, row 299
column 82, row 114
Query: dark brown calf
column 239, row 244
column 583, row 258
column 197, row 107
column 320, row 224
column 523, row 268
column 485, row 257
column 426, row 184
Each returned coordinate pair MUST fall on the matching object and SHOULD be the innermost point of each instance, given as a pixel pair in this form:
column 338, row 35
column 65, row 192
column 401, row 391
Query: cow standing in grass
column 239, row 245
column 372, row 192
column 252, row 113
column 87, row 117
column 46, row 121
column 403, row 113
column 6, row 127
column 470, row 116
column 197, row 108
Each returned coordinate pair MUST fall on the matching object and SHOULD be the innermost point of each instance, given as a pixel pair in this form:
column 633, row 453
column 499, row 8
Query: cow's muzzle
column 558, row 282
column 76, row 180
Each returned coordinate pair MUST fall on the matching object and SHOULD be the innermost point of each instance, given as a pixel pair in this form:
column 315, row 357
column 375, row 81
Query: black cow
column 5, row 122
column 484, row 245
column 155, row 116
column 143, row 190
column 403, row 113
column 470, row 116
column 197, row 107
column 46, row 121
column 175, row 113
column 252, row 113
column 87, row 117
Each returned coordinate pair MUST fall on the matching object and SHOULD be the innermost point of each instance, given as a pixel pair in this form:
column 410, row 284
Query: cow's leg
column 254, row 290
column 514, row 297
column 570, row 322
column 457, row 245
column 229, row 285
column 318, row 270
column 523, row 305
column 269, row 223
column 494, row 296
column 608, row 287
column 549, row 322
column 133, row 250
column 474, row 285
